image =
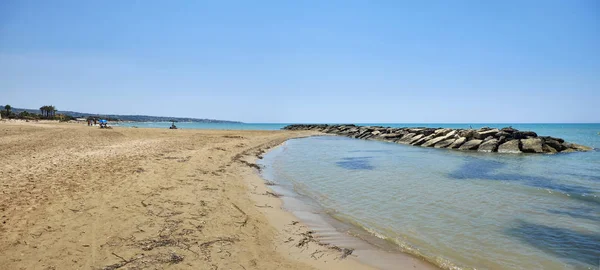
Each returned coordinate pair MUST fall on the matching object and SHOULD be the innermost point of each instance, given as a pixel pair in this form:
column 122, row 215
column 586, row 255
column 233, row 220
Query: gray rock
column 488, row 138
column 452, row 134
column 406, row 138
column 524, row 134
column 502, row 134
column 511, row 147
column 467, row 133
column 428, row 131
column 501, row 140
column 554, row 144
column 508, row 129
column 579, row 147
column 458, row 142
column 488, row 146
column 480, row 135
column 470, row 145
column 376, row 132
column 444, row 143
column 416, row 130
column 548, row 149
column 423, row 139
column 416, row 138
column 533, row 145
column 553, row 138
column 433, row 141
column 391, row 135
column 442, row 131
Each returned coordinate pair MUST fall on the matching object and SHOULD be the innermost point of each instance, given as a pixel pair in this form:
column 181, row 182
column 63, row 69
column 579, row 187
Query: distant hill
column 136, row 118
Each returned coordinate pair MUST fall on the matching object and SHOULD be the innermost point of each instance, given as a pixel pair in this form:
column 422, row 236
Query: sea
column 453, row 209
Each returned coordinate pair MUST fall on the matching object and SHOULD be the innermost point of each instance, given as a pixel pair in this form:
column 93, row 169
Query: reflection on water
column 457, row 209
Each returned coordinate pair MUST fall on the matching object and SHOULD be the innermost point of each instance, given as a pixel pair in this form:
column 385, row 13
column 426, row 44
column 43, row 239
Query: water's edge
column 333, row 229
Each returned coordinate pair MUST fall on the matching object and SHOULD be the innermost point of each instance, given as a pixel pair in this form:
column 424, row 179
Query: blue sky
column 306, row 61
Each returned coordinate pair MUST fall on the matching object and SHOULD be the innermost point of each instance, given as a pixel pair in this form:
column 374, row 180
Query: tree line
column 47, row 112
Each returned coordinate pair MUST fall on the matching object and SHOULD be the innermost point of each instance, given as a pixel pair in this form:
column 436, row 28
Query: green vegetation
column 47, row 113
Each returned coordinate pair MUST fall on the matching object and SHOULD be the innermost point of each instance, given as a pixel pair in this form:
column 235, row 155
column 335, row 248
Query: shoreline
column 294, row 238
column 328, row 231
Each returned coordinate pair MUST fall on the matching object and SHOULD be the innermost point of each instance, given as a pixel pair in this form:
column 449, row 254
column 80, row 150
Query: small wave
column 400, row 245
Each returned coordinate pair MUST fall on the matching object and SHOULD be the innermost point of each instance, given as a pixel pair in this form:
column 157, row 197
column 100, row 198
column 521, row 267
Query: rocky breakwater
column 505, row 140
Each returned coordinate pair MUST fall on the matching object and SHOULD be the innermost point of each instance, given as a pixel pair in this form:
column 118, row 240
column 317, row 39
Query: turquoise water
column 455, row 209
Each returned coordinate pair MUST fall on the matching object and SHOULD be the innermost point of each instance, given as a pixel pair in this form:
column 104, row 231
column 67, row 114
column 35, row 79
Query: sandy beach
column 78, row 197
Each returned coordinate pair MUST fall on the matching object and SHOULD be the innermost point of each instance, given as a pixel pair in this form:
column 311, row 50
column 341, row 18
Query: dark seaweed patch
column 572, row 246
column 578, row 212
column 355, row 163
column 476, row 168
column 370, row 151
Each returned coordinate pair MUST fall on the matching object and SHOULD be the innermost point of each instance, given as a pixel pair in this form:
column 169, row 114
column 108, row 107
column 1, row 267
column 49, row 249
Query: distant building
column 81, row 119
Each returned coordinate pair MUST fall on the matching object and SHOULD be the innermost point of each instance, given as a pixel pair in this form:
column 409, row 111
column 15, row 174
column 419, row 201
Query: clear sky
column 306, row 61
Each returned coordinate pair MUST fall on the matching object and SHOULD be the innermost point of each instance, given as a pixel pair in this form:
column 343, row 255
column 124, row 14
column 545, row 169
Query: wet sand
column 78, row 197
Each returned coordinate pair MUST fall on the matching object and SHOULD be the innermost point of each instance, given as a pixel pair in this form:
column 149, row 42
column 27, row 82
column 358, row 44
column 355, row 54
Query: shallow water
column 456, row 209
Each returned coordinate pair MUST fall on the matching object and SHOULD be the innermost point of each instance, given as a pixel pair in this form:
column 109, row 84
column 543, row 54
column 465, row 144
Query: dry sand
column 78, row 197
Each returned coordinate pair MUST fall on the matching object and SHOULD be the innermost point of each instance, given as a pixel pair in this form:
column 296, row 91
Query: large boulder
column 422, row 139
column 549, row 149
column 406, row 138
column 553, row 138
column 428, row 131
column 524, row 134
column 444, row 143
column 488, row 138
column 416, row 130
column 532, row 145
column 452, row 134
column 417, row 138
column 511, row 147
column 433, row 141
column 501, row 140
column 508, row 130
column 391, row 135
column 458, row 142
column 554, row 143
column 488, row 146
column 502, row 134
column 579, row 147
column 470, row 145
column 482, row 134
column 467, row 133
column 442, row 131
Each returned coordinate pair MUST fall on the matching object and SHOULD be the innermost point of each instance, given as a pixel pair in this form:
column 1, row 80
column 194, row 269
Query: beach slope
column 78, row 197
